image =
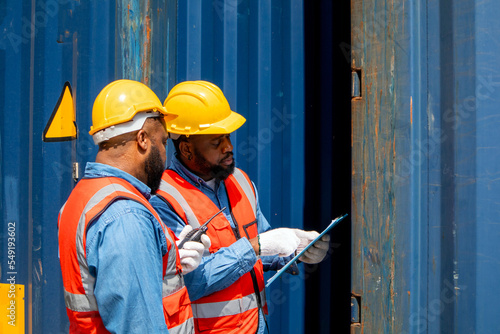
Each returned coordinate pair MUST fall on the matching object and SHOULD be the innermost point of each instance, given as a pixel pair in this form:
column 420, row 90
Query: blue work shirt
column 125, row 246
column 221, row 269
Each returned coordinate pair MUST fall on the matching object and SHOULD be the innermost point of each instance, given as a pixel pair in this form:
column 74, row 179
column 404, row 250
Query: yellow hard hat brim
column 228, row 125
column 169, row 117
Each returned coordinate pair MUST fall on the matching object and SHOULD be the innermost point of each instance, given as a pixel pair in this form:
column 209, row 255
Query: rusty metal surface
column 146, row 42
column 356, row 329
column 425, row 166
column 380, row 123
column 134, row 36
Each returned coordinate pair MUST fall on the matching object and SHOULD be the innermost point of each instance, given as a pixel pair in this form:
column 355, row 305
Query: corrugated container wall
column 426, row 158
column 252, row 49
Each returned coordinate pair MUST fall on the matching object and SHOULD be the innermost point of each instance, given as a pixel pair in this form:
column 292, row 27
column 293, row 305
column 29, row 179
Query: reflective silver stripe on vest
column 263, row 297
column 58, row 230
column 171, row 269
column 191, row 217
column 80, row 303
column 172, row 284
column 62, row 209
column 184, row 328
column 88, row 281
column 230, row 307
column 247, row 188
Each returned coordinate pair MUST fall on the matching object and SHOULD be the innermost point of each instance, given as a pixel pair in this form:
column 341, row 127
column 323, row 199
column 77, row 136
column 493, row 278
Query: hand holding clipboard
column 296, row 257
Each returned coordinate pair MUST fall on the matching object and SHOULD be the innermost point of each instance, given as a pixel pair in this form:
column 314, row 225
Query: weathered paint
column 379, row 130
column 145, row 42
column 134, row 35
column 45, row 44
column 425, row 165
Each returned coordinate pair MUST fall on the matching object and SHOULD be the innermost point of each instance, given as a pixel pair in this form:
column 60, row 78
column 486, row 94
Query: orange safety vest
column 236, row 308
column 85, row 204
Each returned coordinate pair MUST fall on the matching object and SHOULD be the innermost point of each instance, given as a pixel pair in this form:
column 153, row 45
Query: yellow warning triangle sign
column 62, row 123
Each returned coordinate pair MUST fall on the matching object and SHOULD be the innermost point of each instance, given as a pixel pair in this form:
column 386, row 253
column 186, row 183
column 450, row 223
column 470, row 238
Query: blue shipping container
column 425, row 166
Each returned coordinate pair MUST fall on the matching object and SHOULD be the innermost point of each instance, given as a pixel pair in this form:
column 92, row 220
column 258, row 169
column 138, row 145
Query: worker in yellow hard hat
column 227, row 289
column 121, row 269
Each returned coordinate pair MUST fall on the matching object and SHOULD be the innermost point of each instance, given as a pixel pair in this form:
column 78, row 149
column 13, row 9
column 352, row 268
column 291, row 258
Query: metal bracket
column 356, row 83
column 355, row 309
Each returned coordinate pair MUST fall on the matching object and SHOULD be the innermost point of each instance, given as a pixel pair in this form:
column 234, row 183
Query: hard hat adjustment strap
column 133, row 125
column 173, row 136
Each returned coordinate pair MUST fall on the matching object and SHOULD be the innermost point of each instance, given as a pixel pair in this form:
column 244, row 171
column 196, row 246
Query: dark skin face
column 142, row 154
column 208, row 156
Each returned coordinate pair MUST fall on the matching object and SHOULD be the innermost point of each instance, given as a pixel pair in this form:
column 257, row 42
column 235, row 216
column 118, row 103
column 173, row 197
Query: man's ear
column 142, row 139
column 185, row 149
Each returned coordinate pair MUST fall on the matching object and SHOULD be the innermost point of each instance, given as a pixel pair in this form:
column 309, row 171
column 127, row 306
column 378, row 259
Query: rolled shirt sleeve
column 124, row 252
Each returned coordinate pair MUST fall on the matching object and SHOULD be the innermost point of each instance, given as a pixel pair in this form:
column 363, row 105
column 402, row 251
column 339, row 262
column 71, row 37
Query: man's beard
column 154, row 168
column 218, row 172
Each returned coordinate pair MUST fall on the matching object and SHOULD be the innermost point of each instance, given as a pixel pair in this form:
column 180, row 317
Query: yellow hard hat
column 201, row 108
column 120, row 101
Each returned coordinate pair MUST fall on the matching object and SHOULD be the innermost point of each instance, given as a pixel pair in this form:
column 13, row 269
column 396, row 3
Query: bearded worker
column 122, row 271
column 227, row 289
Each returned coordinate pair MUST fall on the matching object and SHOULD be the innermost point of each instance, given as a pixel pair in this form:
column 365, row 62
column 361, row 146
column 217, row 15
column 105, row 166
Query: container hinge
column 355, row 309
column 356, row 83
column 76, row 171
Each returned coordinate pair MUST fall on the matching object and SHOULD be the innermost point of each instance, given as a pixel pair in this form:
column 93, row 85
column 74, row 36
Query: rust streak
column 394, row 150
column 411, row 110
column 393, row 276
column 146, row 60
column 387, row 227
column 363, row 192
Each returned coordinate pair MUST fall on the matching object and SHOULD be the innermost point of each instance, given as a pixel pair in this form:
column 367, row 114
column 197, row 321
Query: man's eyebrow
column 217, row 138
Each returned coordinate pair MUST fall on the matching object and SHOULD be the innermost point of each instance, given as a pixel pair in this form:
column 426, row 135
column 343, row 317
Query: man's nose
column 227, row 146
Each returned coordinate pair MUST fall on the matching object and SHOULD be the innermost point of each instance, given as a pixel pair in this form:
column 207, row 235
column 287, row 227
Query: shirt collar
column 95, row 170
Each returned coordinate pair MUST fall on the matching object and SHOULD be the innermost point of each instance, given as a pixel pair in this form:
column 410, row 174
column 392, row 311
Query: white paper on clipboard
column 296, row 257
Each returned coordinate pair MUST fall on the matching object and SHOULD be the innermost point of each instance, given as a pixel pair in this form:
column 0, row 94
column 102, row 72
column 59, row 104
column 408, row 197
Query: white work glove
column 317, row 252
column 192, row 251
column 280, row 241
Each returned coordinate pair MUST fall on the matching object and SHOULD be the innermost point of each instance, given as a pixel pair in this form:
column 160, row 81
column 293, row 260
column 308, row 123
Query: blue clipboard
column 296, row 257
